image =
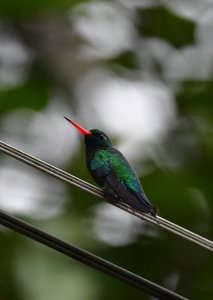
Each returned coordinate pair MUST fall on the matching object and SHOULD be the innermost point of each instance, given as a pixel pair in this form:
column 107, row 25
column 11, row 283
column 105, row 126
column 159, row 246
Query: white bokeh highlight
column 15, row 60
column 47, row 136
column 116, row 227
column 136, row 112
column 106, row 28
column 22, row 192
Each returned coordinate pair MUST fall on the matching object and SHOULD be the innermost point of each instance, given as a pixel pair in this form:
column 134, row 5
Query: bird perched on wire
column 112, row 171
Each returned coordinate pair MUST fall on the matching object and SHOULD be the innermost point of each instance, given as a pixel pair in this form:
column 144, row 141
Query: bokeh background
column 141, row 71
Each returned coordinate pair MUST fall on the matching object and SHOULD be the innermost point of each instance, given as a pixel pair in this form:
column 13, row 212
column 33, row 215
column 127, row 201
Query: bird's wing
column 115, row 172
column 137, row 200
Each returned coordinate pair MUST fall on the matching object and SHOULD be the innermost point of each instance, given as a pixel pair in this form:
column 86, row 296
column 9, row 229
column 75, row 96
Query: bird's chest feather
column 99, row 165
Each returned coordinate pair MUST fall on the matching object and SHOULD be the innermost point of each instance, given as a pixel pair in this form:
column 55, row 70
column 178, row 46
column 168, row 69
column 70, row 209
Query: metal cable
column 64, row 176
column 87, row 258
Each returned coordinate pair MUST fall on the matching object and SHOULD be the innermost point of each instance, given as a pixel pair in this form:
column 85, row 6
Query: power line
column 64, row 176
column 87, row 258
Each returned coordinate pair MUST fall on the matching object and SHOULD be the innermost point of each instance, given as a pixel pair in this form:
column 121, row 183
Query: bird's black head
column 98, row 139
column 94, row 138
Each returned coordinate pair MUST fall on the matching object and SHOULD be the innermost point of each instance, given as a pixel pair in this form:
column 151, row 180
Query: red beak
column 78, row 127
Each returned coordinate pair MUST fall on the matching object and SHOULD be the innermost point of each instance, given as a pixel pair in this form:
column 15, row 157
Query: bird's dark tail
column 147, row 206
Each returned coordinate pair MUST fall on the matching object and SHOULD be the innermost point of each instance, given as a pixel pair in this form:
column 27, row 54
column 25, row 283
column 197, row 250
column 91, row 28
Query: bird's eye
column 103, row 137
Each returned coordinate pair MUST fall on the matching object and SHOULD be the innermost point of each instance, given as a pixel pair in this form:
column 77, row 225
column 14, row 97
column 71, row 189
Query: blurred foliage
column 189, row 98
column 180, row 180
column 164, row 24
column 24, row 8
column 127, row 60
column 33, row 94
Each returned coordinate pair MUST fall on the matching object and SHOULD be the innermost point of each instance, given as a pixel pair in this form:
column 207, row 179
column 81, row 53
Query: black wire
column 87, row 258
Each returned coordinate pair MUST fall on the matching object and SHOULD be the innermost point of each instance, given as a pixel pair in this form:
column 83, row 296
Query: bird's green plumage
column 113, row 160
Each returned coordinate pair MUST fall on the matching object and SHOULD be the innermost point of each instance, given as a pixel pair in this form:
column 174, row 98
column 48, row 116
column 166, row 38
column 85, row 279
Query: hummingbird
column 111, row 170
